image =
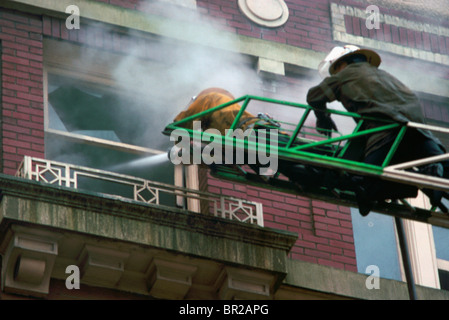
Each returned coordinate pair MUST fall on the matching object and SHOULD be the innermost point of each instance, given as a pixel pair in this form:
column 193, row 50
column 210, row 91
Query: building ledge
column 156, row 252
column 133, row 246
column 325, row 282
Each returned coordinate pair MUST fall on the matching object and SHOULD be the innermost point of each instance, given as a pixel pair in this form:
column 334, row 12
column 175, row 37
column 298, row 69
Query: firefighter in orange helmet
column 351, row 76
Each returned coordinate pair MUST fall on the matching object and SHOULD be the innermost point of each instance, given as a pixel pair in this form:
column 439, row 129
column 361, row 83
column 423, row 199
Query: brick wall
column 95, row 36
column 308, row 25
column 325, row 234
column 424, row 40
column 325, row 231
column 22, row 125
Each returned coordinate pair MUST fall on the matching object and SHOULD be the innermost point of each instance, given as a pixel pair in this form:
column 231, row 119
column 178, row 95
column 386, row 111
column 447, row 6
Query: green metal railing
column 304, row 150
column 305, row 147
column 297, row 149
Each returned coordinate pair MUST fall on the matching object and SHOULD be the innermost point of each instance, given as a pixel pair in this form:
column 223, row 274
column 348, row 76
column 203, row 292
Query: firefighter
column 220, row 119
column 351, row 76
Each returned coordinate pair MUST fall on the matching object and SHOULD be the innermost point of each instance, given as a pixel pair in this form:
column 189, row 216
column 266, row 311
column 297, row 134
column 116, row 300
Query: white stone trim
column 421, row 246
column 261, row 12
column 183, row 3
column 339, row 33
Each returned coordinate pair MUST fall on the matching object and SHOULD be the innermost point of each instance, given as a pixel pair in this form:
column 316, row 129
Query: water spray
column 143, row 162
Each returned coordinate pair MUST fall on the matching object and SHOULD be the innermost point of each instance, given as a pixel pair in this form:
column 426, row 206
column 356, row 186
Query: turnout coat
column 367, row 90
column 221, row 119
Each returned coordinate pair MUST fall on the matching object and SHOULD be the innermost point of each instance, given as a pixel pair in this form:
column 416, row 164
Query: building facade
column 88, row 192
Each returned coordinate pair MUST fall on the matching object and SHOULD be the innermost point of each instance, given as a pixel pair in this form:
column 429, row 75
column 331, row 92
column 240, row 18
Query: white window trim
column 421, row 245
column 443, row 264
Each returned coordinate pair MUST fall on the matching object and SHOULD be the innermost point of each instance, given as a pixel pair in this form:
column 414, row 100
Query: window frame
column 61, row 60
column 421, row 245
column 119, row 146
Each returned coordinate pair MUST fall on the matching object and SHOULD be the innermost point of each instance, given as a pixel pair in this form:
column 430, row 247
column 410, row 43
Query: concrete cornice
column 31, row 202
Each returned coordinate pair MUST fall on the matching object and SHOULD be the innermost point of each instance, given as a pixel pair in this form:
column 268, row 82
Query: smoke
column 164, row 72
column 175, row 70
column 418, row 75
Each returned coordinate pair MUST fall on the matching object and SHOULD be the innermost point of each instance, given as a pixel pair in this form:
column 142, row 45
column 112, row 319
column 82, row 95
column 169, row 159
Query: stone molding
column 338, row 13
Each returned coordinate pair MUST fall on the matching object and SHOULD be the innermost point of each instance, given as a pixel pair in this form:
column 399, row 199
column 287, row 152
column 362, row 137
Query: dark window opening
column 97, row 126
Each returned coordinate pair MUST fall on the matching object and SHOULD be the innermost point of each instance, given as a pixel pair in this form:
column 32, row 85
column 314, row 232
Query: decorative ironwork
column 142, row 190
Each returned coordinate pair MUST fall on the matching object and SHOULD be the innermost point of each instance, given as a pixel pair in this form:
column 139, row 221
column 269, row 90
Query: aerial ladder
column 323, row 161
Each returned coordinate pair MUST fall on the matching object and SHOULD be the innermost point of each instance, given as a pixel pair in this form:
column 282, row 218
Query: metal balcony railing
column 138, row 189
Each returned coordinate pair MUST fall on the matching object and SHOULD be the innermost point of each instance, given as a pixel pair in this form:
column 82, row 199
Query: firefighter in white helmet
column 351, row 76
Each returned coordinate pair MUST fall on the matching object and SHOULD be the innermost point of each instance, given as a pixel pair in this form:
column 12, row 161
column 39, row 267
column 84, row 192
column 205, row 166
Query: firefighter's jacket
column 221, row 119
column 367, row 90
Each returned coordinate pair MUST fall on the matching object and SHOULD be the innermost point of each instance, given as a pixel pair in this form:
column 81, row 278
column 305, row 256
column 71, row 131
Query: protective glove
column 325, row 124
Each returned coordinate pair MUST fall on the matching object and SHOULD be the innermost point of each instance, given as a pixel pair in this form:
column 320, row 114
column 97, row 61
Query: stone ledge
column 31, row 202
column 350, row 285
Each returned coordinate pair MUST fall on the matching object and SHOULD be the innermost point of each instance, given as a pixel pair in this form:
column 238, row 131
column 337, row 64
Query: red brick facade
column 308, row 25
column 325, row 230
column 399, row 35
column 22, row 122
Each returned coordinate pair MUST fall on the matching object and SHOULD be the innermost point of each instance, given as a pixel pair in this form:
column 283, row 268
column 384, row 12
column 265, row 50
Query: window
column 443, row 274
column 376, row 244
column 441, row 238
column 90, row 121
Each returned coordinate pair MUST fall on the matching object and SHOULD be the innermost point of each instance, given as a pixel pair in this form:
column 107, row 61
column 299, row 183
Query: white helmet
column 327, row 66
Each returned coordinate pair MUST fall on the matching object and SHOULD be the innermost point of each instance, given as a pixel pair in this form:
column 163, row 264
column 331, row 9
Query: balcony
column 133, row 188
column 52, row 220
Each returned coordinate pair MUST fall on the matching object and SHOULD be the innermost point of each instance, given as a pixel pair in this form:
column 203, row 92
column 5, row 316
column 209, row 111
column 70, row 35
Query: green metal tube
column 357, row 128
column 394, row 147
column 331, row 162
column 346, row 137
column 298, row 127
column 206, row 112
column 239, row 115
column 299, row 153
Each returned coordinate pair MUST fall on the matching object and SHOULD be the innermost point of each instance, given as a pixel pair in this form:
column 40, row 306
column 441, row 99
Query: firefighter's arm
column 317, row 97
column 325, row 124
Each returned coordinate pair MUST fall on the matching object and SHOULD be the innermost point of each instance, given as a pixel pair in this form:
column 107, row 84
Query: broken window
column 93, row 125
